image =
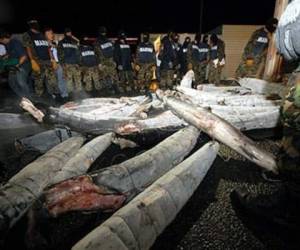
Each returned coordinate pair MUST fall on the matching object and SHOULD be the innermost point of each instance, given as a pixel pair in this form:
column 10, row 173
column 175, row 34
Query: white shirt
column 53, row 50
column 2, row 50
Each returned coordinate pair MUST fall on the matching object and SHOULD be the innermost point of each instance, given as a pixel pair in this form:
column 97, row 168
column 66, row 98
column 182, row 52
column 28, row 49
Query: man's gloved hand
column 216, row 63
column 153, row 68
column 249, row 62
column 170, row 64
column 137, row 67
column 54, row 65
column 100, row 66
column 120, row 67
column 222, row 62
column 178, row 66
column 35, row 66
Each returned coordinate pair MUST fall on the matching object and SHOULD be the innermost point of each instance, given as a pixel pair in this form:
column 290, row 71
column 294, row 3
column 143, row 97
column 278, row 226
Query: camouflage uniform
column 72, row 71
column 46, row 74
column 256, row 51
column 169, row 60
column 197, row 55
column 90, row 76
column 72, row 75
column 126, row 79
column 200, row 72
column 144, row 75
column 214, row 75
column 107, row 68
column 250, row 71
column 167, row 78
column 289, row 159
column 123, row 59
column 89, row 67
column 107, row 71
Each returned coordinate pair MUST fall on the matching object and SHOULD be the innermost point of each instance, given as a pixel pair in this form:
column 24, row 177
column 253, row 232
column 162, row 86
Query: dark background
column 133, row 16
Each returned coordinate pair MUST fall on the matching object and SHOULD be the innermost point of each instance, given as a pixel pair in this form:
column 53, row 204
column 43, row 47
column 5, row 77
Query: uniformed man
column 69, row 57
column 145, row 62
column 18, row 77
column 104, row 49
column 42, row 63
column 216, row 59
column 89, row 64
column 168, row 57
column 255, row 52
column 183, row 55
column 123, row 59
column 198, row 57
column 282, row 207
column 177, row 46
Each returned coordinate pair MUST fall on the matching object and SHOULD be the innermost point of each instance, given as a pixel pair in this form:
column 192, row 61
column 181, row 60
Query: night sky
column 133, row 16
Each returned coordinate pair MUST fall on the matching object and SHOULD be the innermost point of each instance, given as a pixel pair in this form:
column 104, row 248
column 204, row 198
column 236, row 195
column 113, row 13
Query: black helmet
column 187, row 39
column 205, row 38
column 214, row 39
column 31, row 21
column 67, row 30
column 271, row 24
column 175, row 37
column 84, row 40
column 198, row 37
column 33, row 24
column 170, row 33
column 121, row 34
column 102, row 30
column 4, row 34
column 145, row 37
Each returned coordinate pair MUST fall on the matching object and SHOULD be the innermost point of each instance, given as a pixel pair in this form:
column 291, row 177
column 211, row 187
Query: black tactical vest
column 88, row 56
column 107, row 48
column 214, row 52
column 261, row 43
column 146, row 53
column 41, row 45
column 125, row 56
column 199, row 52
column 71, row 51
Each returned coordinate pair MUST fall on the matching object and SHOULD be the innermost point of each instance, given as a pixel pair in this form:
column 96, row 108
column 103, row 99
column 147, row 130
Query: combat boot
column 280, row 208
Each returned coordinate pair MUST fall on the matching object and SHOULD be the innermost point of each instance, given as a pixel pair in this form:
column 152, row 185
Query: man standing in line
column 42, row 63
column 123, row 59
column 69, row 56
column 217, row 59
column 198, row 57
column 104, row 49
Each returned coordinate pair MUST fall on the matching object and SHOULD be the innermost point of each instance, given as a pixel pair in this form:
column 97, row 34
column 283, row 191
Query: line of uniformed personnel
column 72, row 66
column 206, row 58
